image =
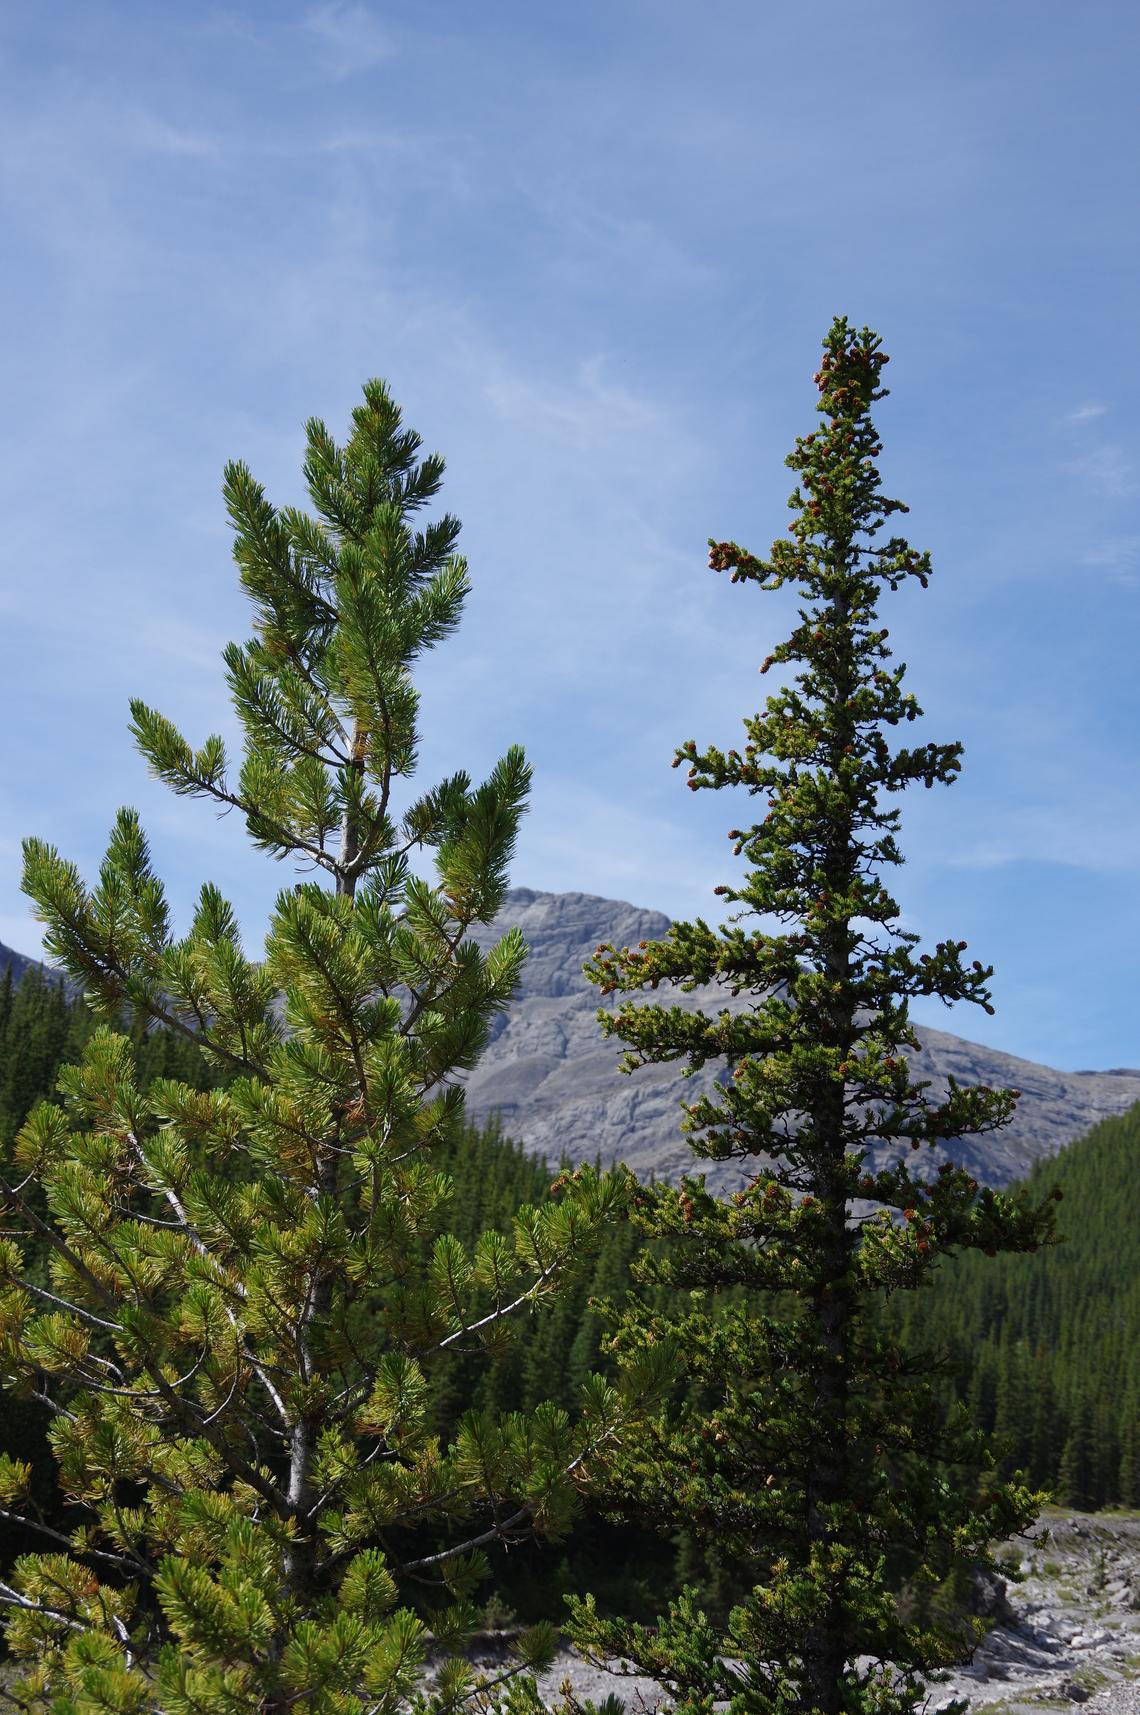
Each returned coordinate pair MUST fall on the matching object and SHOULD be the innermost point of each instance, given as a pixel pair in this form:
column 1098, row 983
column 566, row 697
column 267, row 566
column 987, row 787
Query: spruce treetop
column 819, row 757
column 806, row 1451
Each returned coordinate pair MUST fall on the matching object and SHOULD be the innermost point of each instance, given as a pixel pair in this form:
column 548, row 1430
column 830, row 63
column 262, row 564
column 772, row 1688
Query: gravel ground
column 1069, row 1633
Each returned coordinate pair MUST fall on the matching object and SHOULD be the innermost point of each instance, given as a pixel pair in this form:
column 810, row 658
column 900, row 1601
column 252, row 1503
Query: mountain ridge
column 22, row 963
column 553, row 1080
column 552, row 1077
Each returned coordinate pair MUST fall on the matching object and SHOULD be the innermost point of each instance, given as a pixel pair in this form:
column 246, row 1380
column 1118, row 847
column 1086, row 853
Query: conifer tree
column 1128, row 1484
column 249, row 1284
column 1076, row 1477
column 807, row 1448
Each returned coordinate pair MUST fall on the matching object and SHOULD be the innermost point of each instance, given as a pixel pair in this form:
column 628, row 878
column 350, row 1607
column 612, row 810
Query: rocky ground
column 1072, row 1633
column 1069, row 1633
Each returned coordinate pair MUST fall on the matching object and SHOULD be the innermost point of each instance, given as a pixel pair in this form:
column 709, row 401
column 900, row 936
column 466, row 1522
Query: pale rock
column 553, row 1077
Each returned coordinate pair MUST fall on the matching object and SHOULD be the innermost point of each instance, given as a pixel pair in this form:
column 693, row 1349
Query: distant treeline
column 42, row 1029
column 1042, row 1348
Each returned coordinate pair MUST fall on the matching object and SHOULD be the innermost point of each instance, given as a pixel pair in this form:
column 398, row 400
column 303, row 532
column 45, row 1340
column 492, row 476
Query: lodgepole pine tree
column 808, row 1450
column 248, row 1285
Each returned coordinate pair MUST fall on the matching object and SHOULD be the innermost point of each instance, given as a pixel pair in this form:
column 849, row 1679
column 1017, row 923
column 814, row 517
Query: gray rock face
column 553, row 1077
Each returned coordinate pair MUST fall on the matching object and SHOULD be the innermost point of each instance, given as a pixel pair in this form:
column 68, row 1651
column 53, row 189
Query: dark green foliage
column 39, row 1031
column 1062, row 1320
column 1044, row 1348
column 555, row 1347
column 42, row 1028
column 273, row 1327
column 806, row 1446
column 553, row 1351
column 1024, row 1338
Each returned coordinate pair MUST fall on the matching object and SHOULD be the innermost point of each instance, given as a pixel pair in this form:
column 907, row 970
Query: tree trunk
column 826, row 1643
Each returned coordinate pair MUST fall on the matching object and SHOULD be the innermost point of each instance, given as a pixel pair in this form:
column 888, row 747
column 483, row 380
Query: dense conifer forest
column 1043, row 1348
column 1039, row 1347
column 42, row 1029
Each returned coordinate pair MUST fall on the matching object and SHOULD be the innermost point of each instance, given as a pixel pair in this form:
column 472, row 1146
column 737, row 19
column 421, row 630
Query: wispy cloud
column 594, row 266
column 1100, row 834
column 153, row 135
column 1107, row 471
column 180, row 640
column 349, row 37
column 593, row 243
column 586, row 413
column 1119, row 556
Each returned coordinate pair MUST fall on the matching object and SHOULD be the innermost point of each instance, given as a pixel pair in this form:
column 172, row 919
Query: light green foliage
column 251, row 1287
column 806, row 1450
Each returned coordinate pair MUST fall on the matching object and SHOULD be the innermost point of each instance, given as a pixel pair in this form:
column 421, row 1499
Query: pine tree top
column 252, row 1288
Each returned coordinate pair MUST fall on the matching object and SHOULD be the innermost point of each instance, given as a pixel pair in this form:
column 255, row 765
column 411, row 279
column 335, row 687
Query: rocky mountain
column 19, row 962
column 553, row 1077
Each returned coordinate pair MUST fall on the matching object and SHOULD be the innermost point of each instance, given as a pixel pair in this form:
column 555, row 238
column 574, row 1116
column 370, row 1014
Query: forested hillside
column 1044, row 1347
column 42, row 1029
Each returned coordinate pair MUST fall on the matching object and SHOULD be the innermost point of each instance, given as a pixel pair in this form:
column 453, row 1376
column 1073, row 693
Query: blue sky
column 594, row 248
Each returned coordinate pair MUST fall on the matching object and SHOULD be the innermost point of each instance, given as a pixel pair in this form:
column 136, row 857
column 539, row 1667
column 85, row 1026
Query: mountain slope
column 1044, row 1346
column 20, row 963
column 553, row 1077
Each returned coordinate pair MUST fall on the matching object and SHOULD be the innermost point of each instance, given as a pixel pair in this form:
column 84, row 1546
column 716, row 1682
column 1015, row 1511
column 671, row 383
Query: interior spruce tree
column 807, row 1449
column 248, row 1285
